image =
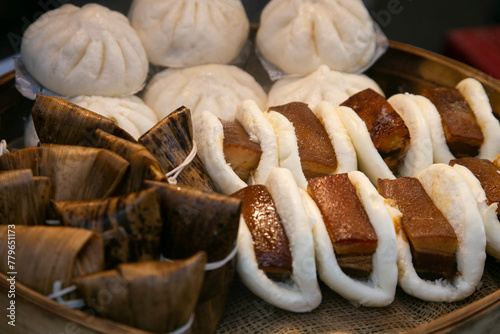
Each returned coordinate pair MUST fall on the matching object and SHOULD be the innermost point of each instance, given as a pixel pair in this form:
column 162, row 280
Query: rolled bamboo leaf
column 171, row 141
column 45, row 254
column 194, row 221
column 24, row 199
column 77, row 172
column 58, row 121
column 156, row 296
column 143, row 165
column 129, row 225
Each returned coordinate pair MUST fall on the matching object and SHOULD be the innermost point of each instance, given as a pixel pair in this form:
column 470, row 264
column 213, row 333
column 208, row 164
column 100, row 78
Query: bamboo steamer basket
column 403, row 68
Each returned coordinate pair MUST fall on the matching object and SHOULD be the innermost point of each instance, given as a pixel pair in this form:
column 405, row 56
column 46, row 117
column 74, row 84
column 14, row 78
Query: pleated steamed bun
column 129, row 112
column 216, row 88
column 181, row 33
column 90, row 50
column 323, row 84
column 299, row 35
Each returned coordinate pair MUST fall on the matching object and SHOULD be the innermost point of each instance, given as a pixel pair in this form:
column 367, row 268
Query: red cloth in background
column 478, row 47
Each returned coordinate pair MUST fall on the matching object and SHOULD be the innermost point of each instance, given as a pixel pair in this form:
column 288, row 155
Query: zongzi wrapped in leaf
column 129, row 225
column 194, row 220
column 24, row 199
column 77, row 172
column 155, row 296
column 143, row 165
column 46, row 254
column 58, row 121
column 171, row 142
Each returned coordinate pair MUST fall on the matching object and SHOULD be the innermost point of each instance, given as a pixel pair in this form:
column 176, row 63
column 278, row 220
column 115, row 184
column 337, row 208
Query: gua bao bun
column 190, row 32
column 473, row 92
column 419, row 152
column 301, row 293
column 379, row 288
column 323, row 84
column 209, row 136
column 214, row 87
column 130, row 113
column 85, row 51
column 451, row 194
column 299, row 35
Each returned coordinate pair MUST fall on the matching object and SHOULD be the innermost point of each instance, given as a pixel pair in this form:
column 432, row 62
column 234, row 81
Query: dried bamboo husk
column 58, row 121
column 194, row 221
column 24, row 199
column 156, row 296
column 129, row 225
column 143, row 165
column 171, row 141
column 46, row 254
column 77, row 172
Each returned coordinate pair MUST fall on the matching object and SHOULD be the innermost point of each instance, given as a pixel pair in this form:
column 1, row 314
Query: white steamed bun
column 181, row 33
column 299, row 35
column 216, row 88
column 90, row 50
column 130, row 113
column 321, row 85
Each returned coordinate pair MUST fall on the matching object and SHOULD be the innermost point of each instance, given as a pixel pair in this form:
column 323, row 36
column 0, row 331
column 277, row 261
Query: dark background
column 423, row 23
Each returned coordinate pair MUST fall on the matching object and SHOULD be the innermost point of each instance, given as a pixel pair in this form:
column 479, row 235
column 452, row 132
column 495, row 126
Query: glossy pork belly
column 349, row 228
column 432, row 239
column 488, row 175
column 462, row 132
column 241, row 153
column 271, row 245
column 316, row 152
column 387, row 129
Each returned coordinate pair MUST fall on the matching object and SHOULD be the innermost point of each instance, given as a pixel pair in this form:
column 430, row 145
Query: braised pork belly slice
column 462, row 132
column 388, row 132
column 316, row 152
column 432, row 239
column 349, row 228
column 488, row 175
column 271, row 245
column 241, row 153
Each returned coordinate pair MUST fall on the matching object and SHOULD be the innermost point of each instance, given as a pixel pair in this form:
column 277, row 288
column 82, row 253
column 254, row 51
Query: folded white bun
column 419, row 154
column 299, row 35
column 301, row 293
column 452, row 195
column 323, row 84
column 214, row 87
column 380, row 286
column 209, row 137
column 130, row 113
column 488, row 212
column 288, row 148
column 339, row 137
column 190, row 32
column 440, row 150
column 370, row 161
column 90, row 50
column 476, row 97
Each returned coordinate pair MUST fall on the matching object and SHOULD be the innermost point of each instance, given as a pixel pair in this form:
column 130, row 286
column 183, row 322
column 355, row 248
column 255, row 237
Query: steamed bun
column 299, row 35
column 216, row 88
column 321, row 85
column 181, row 33
column 90, row 50
column 130, row 113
